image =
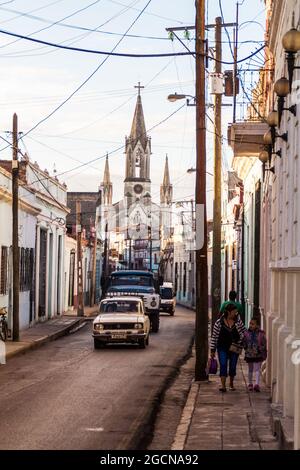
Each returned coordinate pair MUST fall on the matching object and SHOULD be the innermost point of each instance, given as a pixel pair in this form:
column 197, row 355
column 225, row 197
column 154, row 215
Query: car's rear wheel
column 172, row 313
column 142, row 343
column 98, row 344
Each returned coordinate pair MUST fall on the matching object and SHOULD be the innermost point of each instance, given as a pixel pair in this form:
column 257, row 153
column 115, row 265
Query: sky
column 36, row 79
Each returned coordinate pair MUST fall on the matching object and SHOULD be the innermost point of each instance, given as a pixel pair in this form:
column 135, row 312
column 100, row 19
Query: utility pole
column 216, row 262
column 150, row 242
column 129, row 252
column 80, row 307
column 201, row 333
column 93, row 290
column 15, row 231
column 235, row 54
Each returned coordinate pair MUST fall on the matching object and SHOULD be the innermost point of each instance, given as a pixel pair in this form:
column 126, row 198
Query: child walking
column 255, row 345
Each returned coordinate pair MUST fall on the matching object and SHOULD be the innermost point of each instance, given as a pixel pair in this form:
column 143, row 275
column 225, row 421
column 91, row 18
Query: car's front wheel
column 142, row 343
column 147, row 341
column 155, row 322
column 97, row 344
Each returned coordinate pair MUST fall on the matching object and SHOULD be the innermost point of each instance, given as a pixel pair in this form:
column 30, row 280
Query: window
column 26, row 268
column 4, row 270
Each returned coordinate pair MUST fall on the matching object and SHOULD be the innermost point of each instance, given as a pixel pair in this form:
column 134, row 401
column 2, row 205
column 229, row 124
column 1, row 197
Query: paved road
column 65, row 395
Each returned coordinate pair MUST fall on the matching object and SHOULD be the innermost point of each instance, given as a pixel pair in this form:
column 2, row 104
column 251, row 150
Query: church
column 135, row 230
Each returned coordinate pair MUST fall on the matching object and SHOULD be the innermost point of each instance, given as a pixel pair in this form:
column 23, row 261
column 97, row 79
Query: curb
column 45, row 339
column 186, row 418
column 143, row 434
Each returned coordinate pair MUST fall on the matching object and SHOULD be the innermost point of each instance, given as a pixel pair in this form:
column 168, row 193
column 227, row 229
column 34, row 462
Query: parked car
column 121, row 320
column 167, row 298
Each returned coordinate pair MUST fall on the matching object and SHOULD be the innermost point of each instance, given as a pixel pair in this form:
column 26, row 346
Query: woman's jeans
column 224, row 358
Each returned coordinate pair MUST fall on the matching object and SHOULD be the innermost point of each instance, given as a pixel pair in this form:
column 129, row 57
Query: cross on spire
column 139, row 86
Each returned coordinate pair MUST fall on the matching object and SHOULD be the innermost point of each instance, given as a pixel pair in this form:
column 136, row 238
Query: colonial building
column 92, row 248
column 270, row 212
column 42, row 225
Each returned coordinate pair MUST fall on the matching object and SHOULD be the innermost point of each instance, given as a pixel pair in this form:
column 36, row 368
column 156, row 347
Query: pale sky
column 35, row 79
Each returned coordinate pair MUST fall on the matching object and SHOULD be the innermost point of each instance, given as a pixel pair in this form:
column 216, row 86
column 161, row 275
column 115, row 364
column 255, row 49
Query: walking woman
column 228, row 334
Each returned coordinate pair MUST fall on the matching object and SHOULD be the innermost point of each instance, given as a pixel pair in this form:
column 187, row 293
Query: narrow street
column 65, row 395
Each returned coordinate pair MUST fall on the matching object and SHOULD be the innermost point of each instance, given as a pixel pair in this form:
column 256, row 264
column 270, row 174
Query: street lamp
column 291, row 45
column 193, row 170
column 176, row 97
column 281, row 88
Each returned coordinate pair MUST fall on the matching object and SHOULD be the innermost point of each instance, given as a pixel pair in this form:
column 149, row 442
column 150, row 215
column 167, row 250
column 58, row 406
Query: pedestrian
column 227, row 338
column 255, row 345
column 231, row 300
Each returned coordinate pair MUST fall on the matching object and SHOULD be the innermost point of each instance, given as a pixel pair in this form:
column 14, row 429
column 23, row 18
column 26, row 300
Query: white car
column 121, row 320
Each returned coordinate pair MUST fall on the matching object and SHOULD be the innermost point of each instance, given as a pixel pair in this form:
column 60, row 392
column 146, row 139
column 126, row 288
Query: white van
column 167, row 298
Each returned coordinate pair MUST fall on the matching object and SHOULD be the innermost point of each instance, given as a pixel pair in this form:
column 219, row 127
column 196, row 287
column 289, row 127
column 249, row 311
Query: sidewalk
column 239, row 420
column 49, row 330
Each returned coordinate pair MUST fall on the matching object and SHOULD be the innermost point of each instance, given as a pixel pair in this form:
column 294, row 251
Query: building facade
column 42, row 226
column 131, row 229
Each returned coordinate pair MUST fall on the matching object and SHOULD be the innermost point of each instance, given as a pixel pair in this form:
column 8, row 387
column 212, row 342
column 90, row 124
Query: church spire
column 166, row 189
column 138, row 128
column 106, row 178
column 166, row 180
column 106, row 185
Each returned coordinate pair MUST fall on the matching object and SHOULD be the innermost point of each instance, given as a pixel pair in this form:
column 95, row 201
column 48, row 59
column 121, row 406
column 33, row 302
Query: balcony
column 246, row 138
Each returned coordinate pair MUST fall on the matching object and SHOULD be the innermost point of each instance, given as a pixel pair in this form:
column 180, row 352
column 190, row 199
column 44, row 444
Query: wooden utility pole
column 80, row 307
column 201, row 333
column 235, row 77
column 15, row 231
column 216, row 261
column 93, row 290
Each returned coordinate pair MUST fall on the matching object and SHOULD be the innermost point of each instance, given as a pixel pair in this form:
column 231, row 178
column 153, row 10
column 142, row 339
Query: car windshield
column 118, row 306
column 166, row 293
column 132, row 280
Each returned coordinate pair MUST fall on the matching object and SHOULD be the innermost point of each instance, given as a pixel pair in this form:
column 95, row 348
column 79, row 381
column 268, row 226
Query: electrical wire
column 148, row 13
column 20, row 14
column 88, row 78
column 120, row 147
column 54, row 23
column 120, row 106
column 226, row 30
column 92, row 51
column 82, row 28
column 119, row 54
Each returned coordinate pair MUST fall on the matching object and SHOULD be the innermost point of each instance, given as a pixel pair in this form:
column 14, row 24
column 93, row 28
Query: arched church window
column 138, row 159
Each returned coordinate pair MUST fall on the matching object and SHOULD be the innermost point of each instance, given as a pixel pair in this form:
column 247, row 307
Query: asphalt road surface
column 66, row 395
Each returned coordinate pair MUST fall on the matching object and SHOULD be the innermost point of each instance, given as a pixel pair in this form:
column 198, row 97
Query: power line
column 32, row 11
column 92, row 51
column 226, row 30
column 120, row 54
column 82, row 28
column 53, row 23
column 148, row 13
column 88, row 78
column 120, row 147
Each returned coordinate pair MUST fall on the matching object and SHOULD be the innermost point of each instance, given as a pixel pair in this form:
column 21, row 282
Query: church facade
column 135, row 230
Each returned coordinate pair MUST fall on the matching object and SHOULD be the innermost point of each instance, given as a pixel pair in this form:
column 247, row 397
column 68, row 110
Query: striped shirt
column 240, row 327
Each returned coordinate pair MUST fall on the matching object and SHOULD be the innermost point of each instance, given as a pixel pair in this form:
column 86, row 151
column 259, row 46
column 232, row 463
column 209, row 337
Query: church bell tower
column 138, row 151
